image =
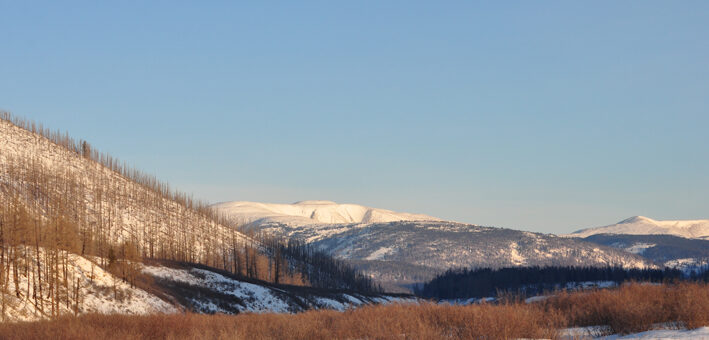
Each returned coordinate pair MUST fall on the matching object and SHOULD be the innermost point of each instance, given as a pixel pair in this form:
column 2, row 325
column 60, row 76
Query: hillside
column 672, row 251
column 640, row 225
column 400, row 253
column 66, row 209
column 167, row 287
column 110, row 204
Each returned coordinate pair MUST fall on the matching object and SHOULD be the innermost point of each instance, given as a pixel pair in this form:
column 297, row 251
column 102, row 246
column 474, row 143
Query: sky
column 545, row 116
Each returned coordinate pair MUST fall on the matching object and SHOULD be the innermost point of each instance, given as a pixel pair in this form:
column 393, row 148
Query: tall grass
column 630, row 308
column 635, row 307
column 426, row 321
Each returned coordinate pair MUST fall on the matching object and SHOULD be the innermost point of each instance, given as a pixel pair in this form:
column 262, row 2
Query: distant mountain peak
column 315, row 202
column 636, row 219
column 311, row 212
column 641, row 225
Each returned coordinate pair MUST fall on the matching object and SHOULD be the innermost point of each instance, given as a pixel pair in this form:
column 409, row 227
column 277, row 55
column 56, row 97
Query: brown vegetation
column 73, row 199
column 635, row 307
column 631, row 308
column 426, row 321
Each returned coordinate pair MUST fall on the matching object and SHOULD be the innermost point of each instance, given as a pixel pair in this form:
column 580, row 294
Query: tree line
column 484, row 282
column 322, row 270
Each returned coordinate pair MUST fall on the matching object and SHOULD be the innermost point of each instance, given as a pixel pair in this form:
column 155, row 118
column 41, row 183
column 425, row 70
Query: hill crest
column 641, row 225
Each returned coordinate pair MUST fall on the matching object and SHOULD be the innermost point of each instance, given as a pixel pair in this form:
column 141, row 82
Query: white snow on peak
column 315, row 202
column 311, row 212
column 640, row 225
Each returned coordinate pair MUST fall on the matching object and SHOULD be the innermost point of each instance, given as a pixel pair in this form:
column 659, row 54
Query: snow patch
column 380, row 253
column 639, row 248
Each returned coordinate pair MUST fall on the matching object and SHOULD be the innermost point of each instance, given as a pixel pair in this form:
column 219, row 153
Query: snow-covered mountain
column 75, row 225
column 640, row 225
column 408, row 248
column 659, row 248
column 311, row 212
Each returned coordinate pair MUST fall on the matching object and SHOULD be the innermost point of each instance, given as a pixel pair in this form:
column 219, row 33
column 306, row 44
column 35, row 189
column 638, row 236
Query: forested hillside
column 400, row 254
column 59, row 197
column 673, row 251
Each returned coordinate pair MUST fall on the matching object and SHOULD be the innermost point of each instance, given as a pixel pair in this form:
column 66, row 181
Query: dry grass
column 635, row 307
column 630, row 308
column 426, row 321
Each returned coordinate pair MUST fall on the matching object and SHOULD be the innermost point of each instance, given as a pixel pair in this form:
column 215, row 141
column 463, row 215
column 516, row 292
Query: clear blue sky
column 545, row 116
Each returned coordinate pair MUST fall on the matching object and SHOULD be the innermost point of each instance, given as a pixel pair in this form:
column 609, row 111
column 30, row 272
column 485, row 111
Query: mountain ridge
column 403, row 252
column 311, row 212
column 77, row 227
column 641, row 225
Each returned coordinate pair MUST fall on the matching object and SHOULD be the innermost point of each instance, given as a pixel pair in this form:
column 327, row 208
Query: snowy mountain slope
column 659, row 248
column 311, row 212
column 220, row 292
column 640, row 225
column 381, row 247
column 60, row 195
column 126, row 210
column 172, row 288
column 93, row 290
column 399, row 253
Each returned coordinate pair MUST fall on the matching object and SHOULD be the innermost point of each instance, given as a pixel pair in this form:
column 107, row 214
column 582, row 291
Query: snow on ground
column 312, row 212
column 639, row 248
column 699, row 333
column 596, row 332
column 256, row 298
column 100, row 292
column 131, row 212
column 590, row 284
column 331, row 304
column 249, row 297
column 180, row 275
column 202, row 290
column 380, row 253
column 537, row 298
column 514, row 255
column 259, row 299
column 689, row 265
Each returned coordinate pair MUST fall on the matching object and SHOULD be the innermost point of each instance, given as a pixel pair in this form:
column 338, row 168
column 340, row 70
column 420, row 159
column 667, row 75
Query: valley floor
column 628, row 312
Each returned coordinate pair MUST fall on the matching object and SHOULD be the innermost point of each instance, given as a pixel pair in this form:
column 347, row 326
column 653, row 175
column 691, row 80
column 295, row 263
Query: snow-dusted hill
column 399, row 249
column 69, row 217
column 311, row 212
column 169, row 288
column 126, row 210
column 640, row 225
column 93, row 290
